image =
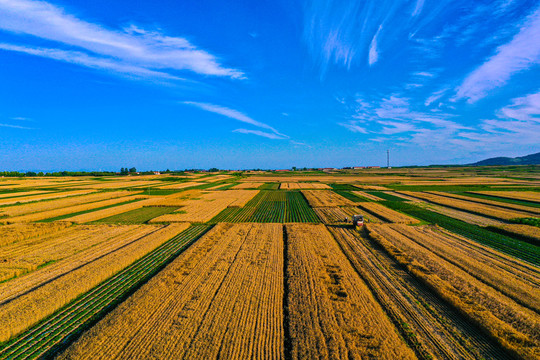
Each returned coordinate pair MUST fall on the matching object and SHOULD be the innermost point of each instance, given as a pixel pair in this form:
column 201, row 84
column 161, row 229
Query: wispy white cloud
column 521, row 53
column 237, row 115
column 373, row 55
column 232, row 114
column 16, row 127
column 525, row 108
column 298, row 143
column 130, row 48
column 80, row 58
column 21, row 118
column 418, row 8
column 435, row 96
column 260, row 133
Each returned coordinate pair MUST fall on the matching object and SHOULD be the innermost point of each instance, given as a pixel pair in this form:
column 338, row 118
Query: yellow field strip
column 387, row 214
column 532, row 210
column 207, row 206
column 333, row 314
column 514, row 326
column 115, row 210
column 47, row 196
column 69, row 210
column 27, row 255
column 59, row 283
column 367, row 196
column 13, row 233
column 528, row 231
column 325, row 198
column 247, row 185
column 221, row 298
column 370, row 187
column 514, row 278
column 24, row 209
column 22, row 193
column 181, row 185
column 514, row 195
column 301, row 186
column 482, row 209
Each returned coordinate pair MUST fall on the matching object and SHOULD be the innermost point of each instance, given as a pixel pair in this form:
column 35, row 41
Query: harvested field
column 467, row 217
column 532, row 210
column 29, row 299
column 222, row 298
column 181, row 185
column 39, row 197
column 247, row 185
column 138, row 216
column 60, row 212
column 477, row 208
column 429, row 325
column 332, row 313
column 50, row 335
column 325, row 198
column 18, row 210
column 209, row 205
column 370, row 187
column 96, row 215
column 23, row 193
column 516, row 279
column 302, row 186
column 506, row 244
column 337, row 215
column 16, row 232
column 513, row 325
column 367, row 195
column 519, row 195
column 525, row 232
column 386, row 214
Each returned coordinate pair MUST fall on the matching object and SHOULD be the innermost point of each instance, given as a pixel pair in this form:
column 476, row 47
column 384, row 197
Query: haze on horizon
column 266, row 84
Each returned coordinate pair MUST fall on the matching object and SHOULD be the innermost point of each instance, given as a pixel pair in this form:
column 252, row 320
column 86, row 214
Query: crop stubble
column 222, row 298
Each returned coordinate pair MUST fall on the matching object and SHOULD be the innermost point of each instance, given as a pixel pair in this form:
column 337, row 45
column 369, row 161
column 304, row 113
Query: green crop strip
column 385, row 196
column 351, row 196
column 271, row 206
column 137, row 216
column 269, row 186
column 55, row 332
column 502, row 199
column 506, row 244
column 62, row 217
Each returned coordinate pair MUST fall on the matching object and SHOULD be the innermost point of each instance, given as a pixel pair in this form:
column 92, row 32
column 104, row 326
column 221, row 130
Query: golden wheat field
column 268, row 265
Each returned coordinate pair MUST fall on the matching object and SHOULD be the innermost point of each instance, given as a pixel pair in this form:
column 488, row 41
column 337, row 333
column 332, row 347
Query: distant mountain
column 532, row 159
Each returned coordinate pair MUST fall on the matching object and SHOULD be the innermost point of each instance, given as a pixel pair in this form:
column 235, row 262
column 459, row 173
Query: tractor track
column 439, row 330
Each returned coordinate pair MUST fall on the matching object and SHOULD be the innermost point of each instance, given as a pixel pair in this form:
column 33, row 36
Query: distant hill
column 532, row 159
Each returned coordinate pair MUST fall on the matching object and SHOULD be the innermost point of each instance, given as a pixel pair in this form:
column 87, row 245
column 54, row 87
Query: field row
column 53, row 332
column 271, row 206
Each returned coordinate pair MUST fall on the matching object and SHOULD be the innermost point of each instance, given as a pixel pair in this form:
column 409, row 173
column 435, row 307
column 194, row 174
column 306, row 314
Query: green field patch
column 385, row 195
column 269, row 186
column 532, row 221
column 62, row 217
column 343, row 187
column 151, row 191
column 353, row 197
column 502, row 199
column 509, row 245
column 226, row 187
column 137, row 216
column 271, row 206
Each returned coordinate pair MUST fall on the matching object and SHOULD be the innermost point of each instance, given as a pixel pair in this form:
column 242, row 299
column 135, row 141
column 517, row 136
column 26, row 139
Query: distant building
column 157, row 173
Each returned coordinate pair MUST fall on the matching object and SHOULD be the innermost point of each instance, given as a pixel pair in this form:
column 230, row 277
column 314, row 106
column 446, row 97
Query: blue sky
column 266, row 84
